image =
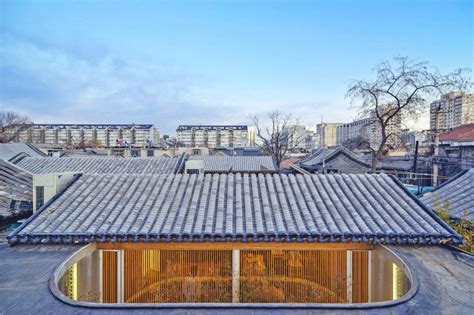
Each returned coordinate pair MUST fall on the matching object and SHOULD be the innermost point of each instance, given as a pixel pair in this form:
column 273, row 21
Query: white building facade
column 94, row 135
column 212, row 136
column 455, row 109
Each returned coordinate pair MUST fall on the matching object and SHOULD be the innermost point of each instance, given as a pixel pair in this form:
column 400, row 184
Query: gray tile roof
column 325, row 155
column 102, row 165
column 322, row 208
column 237, row 164
column 11, row 150
column 16, row 192
column 458, row 192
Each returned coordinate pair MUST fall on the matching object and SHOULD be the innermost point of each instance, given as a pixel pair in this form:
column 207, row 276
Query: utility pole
column 415, row 160
column 321, row 137
column 436, row 148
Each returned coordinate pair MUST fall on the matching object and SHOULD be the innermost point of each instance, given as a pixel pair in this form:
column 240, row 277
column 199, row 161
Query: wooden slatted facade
column 205, row 276
column 110, row 276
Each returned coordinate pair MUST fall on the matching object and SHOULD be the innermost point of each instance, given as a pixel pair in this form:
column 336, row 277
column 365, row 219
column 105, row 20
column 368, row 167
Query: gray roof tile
column 16, row 192
column 9, row 151
column 324, row 208
column 102, row 165
column 457, row 192
column 237, row 164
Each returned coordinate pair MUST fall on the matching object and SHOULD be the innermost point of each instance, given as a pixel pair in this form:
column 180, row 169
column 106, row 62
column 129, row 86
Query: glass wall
column 235, row 276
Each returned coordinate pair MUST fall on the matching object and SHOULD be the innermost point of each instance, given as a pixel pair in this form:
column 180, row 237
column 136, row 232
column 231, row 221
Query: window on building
column 39, row 196
column 117, row 152
column 135, row 152
column 150, row 152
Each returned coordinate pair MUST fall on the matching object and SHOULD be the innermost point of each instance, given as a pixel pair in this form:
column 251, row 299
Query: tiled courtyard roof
column 237, row 164
column 9, row 151
column 458, row 193
column 459, row 134
column 102, row 165
column 371, row 208
column 324, row 155
column 16, row 192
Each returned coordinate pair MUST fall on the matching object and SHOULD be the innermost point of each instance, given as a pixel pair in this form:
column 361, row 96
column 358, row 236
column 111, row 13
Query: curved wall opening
column 136, row 274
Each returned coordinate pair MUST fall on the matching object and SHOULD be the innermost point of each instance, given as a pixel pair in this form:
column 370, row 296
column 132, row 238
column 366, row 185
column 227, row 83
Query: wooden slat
column 109, row 276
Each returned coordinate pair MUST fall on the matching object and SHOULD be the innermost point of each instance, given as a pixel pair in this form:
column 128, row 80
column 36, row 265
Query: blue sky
column 179, row 62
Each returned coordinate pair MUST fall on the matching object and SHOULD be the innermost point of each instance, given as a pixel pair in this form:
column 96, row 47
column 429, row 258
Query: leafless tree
column 402, row 88
column 277, row 135
column 11, row 124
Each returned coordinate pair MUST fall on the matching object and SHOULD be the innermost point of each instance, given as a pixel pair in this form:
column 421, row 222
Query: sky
column 214, row 62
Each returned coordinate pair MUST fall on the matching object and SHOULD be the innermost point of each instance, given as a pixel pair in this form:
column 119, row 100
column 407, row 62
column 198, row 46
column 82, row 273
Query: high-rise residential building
column 357, row 128
column 393, row 129
column 212, row 136
column 95, row 135
column 326, row 134
column 455, row 109
column 301, row 138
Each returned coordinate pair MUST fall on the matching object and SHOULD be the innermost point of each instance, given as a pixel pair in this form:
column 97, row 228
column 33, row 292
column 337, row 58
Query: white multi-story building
column 393, row 129
column 357, row 128
column 326, row 134
column 95, row 135
column 455, row 109
column 301, row 138
column 212, row 136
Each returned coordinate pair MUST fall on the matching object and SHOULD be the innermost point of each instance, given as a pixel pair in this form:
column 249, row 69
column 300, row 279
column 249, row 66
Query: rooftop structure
column 13, row 151
column 16, row 192
column 311, row 208
column 103, row 165
column 339, row 160
column 457, row 194
column 237, row 164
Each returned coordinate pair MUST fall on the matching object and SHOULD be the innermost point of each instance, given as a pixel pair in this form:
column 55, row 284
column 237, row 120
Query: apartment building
column 96, row 135
column 301, row 138
column 326, row 134
column 212, row 136
column 394, row 129
column 455, row 109
column 360, row 127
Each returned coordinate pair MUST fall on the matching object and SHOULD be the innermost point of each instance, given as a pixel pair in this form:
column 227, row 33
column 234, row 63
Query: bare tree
column 11, row 124
column 278, row 135
column 401, row 89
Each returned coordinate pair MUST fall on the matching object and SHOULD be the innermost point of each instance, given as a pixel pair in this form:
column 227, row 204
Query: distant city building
column 409, row 138
column 456, row 109
column 393, row 129
column 301, row 139
column 211, row 136
column 360, row 127
column 336, row 134
column 94, row 135
column 326, row 134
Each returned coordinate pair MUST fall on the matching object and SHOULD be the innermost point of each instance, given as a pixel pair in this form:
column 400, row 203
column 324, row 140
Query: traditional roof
column 400, row 163
column 16, row 192
column 102, row 165
column 371, row 208
column 458, row 192
column 9, row 151
column 237, row 164
column 459, row 134
column 325, row 155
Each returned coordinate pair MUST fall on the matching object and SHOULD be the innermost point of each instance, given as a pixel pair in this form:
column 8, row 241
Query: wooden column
column 349, row 276
column 235, row 276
